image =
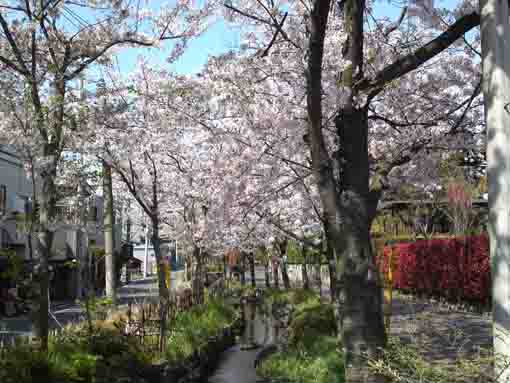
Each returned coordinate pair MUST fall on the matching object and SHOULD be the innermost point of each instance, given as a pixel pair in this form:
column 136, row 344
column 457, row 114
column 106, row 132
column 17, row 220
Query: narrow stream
column 237, row 364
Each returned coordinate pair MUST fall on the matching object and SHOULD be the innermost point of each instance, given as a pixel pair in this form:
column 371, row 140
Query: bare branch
column 412, row 61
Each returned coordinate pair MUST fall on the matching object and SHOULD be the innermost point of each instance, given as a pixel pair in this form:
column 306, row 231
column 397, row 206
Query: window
column 3, row 199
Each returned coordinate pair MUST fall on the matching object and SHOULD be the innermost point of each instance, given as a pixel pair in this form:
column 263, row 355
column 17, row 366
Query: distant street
column 66, row 312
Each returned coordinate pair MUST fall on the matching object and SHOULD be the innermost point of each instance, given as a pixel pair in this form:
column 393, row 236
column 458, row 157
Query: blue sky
column 222, row 37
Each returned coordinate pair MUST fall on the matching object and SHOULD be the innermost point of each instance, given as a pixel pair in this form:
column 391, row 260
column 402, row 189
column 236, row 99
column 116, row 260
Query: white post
column 495, row 30
column 176, row 255
column 146, row 255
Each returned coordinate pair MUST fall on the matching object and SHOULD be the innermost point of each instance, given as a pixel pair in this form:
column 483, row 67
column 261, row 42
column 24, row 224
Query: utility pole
column 495, row 29
column 109, row 221
column 146, row 254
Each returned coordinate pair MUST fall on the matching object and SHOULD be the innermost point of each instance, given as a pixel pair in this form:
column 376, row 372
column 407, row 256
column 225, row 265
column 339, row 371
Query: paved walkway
column 439, row 333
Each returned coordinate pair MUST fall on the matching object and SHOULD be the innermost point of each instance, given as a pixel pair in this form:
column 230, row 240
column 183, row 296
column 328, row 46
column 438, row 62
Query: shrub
column 319, row 362
column 456, row 268
column 192, row 329
column 312, row 353
column 310, row 320
column 290, row 296
column 403, row 363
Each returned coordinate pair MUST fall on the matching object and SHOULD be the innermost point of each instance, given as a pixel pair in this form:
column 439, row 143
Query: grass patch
column 310, row 320
column 312, row 354
column 318, row 362
column 192, row 329
column 107, row 355
column 403, row 363
column 292, row 296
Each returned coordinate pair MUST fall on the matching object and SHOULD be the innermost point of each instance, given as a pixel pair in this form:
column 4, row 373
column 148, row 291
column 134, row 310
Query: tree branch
column 22, row 69
column 412, row 61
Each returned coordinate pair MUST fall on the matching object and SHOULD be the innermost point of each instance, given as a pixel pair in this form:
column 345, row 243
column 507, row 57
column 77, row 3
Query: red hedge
column 457, row 268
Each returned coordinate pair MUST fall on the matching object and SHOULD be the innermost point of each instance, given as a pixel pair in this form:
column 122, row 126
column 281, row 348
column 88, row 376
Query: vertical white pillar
column 495, row 30
column 146, row 254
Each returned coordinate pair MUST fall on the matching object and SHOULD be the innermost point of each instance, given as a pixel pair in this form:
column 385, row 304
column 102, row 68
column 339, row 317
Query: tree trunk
column 285, row 276
column 306, row 281
column 82, row 245
column 332, row 262
column 266, row 274
column 243, row 268
column 225, row 268
column 318, row 275
column 109, row 221
column 198, row 280
column 252, row 269
column 283, row 253
column 495, row 30
column 164, row 294
column 275, row 275
column 360, row 291
column 47, row 200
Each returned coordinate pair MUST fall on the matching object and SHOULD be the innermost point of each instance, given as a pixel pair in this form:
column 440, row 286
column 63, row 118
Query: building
column 15, row 195
column 168, row 249
column 16, row 191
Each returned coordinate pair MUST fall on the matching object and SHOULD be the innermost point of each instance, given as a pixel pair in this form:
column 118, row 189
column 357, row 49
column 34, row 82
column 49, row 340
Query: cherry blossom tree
column 45, row 47
column 377, row 95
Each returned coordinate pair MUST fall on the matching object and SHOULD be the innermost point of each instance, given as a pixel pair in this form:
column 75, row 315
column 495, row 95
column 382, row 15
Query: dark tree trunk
column 276, row 280
column 47, row 200
column 252, row 269
column 198, row 282
column 283, row 254
column 285, row 275
column 266, row 273
column 306, row 281
column 225, row 271
column 360, row 291
column 319, row 277
column 243, row 268
column 332, row 269
column 164, row 294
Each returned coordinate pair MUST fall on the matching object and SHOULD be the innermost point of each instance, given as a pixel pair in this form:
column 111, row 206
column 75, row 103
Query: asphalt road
column 63, row 313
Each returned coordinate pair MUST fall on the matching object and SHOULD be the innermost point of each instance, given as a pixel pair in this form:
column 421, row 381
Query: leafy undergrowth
column 237, row 289
column 108, row 355
column 319, row 362
column 192, row 329
column 294, row 297
column 73, row 356
column 403, row 363
column 312, row 352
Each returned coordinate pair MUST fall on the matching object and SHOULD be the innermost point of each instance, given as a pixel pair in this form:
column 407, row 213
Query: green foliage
column 312, row 353
column 310, row 320
column 97, row 252
column 262, row 255
column 403, row 363
column 238, row 290
column 73, row 356
column 191, row 329
column 320, row 362
column 76, row 355
column 291, row 296
column 294, row 253
column 96, row 308
column 15, row 263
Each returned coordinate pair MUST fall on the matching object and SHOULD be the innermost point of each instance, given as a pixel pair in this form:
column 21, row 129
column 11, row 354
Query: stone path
column 441, row 334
